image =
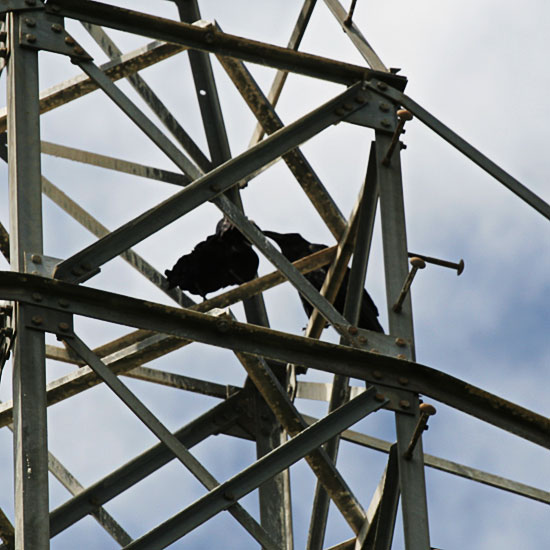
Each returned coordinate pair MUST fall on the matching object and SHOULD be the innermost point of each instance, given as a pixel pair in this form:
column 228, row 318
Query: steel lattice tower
column 44, row 295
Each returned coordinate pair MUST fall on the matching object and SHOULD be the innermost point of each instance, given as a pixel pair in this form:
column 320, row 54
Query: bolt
column 352, row 330
column 36, row 320
column 64, row 326
column 382, row 86
column 76, row 271
column 86, row 266
column 63, row 303
column 348, row 106
column 70, row 40
column 419, row 263
column 30, row 38
column 56, row 27
column 30, row 22
column 361, row 98
column 401, row 342
column 384, row 107
column 78, row 50
column 404, row 404
column 36, row 259
column 339, row 111
column 403, row 381
column 36, row 296
column 377, row 374
column 385, row 122
column 380, row 397
column 401, row 356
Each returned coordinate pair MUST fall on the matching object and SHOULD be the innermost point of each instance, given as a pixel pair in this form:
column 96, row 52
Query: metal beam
column 249, row 479
column 166, row 437
column 76, row 87
column 272, row 344
column 207, row 40
column 30, row 440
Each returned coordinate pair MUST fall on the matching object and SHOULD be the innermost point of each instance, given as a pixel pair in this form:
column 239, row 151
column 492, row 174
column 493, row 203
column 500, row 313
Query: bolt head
column 36, row 320
column 56, row 27
column 403, row 114
column 63, row 303
column 382, row 86
column 78, row 50
column 401, row 356
column 70, row 40
column 31, row 38
column 64, row 326
column 36, row 259
column 352, row 330
column 426, row 408
column 419, row 263
column 384, row 107
column 379, row 397
column 30, row 22
column 401, row 342
column 404, row 404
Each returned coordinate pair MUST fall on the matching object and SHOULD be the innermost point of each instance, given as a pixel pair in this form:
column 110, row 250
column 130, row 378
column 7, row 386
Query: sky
column 478, row 67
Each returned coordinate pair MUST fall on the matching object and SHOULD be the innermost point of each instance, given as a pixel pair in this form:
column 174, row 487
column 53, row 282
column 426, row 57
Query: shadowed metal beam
column 218, row 42
column 253, row 476
column 272, row 344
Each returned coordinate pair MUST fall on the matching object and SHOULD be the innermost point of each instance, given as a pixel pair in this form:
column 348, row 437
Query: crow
column 223, row 259
column 294, row 246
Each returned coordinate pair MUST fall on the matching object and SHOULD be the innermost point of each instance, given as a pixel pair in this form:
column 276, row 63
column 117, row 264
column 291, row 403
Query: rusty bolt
column 427, row 409
column 70, row 40
column 404, row 404
column 64, row 326
column 56, row 27
column 380, row 397
column 36, row 296
column 352, row 330
column 78, row 50
column 36, row 259
column 30, row 22
column 403, row 381
column 401, row 342
column 30, row 38
column 377, row 374
column 36, row 320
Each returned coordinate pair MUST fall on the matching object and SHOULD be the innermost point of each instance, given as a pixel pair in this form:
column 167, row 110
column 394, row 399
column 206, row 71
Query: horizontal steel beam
column 355, row 363
column 207, row 40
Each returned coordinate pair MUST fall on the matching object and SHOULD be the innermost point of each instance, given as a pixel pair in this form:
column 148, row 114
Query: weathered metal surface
column 372, row 367
column 218, row 42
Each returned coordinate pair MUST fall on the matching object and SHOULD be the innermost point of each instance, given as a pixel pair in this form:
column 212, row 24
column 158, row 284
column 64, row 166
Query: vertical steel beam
column 29, row 395
column 340, row 388
column 394, row 240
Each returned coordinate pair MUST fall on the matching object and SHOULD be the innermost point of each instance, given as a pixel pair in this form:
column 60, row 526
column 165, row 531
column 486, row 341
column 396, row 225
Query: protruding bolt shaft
column 426, row 411
column 416, row 263
column 444, row 263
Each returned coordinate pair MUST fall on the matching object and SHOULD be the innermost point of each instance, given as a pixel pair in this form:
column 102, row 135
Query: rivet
column 401, row 342
column 63, row 303
column 382, row 86
column 30, row 22
column 69, row 40
column 36, row 259
column 36, row 296
column 56, row 27
column 384, row 107
column 380, row 397
column 361, row 99
column 352, row 330
column 377, row 374
column 30, row 38
column 86, row 266
column 36, row 320
column 404, row 404
column 78, row 50
column 403, row 381
column 76, row 271
column 385, row 122
column 64, row 326
column 348, row 106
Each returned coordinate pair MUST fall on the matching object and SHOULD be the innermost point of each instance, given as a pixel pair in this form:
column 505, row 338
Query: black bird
column 294, row 246
column 223, row 259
